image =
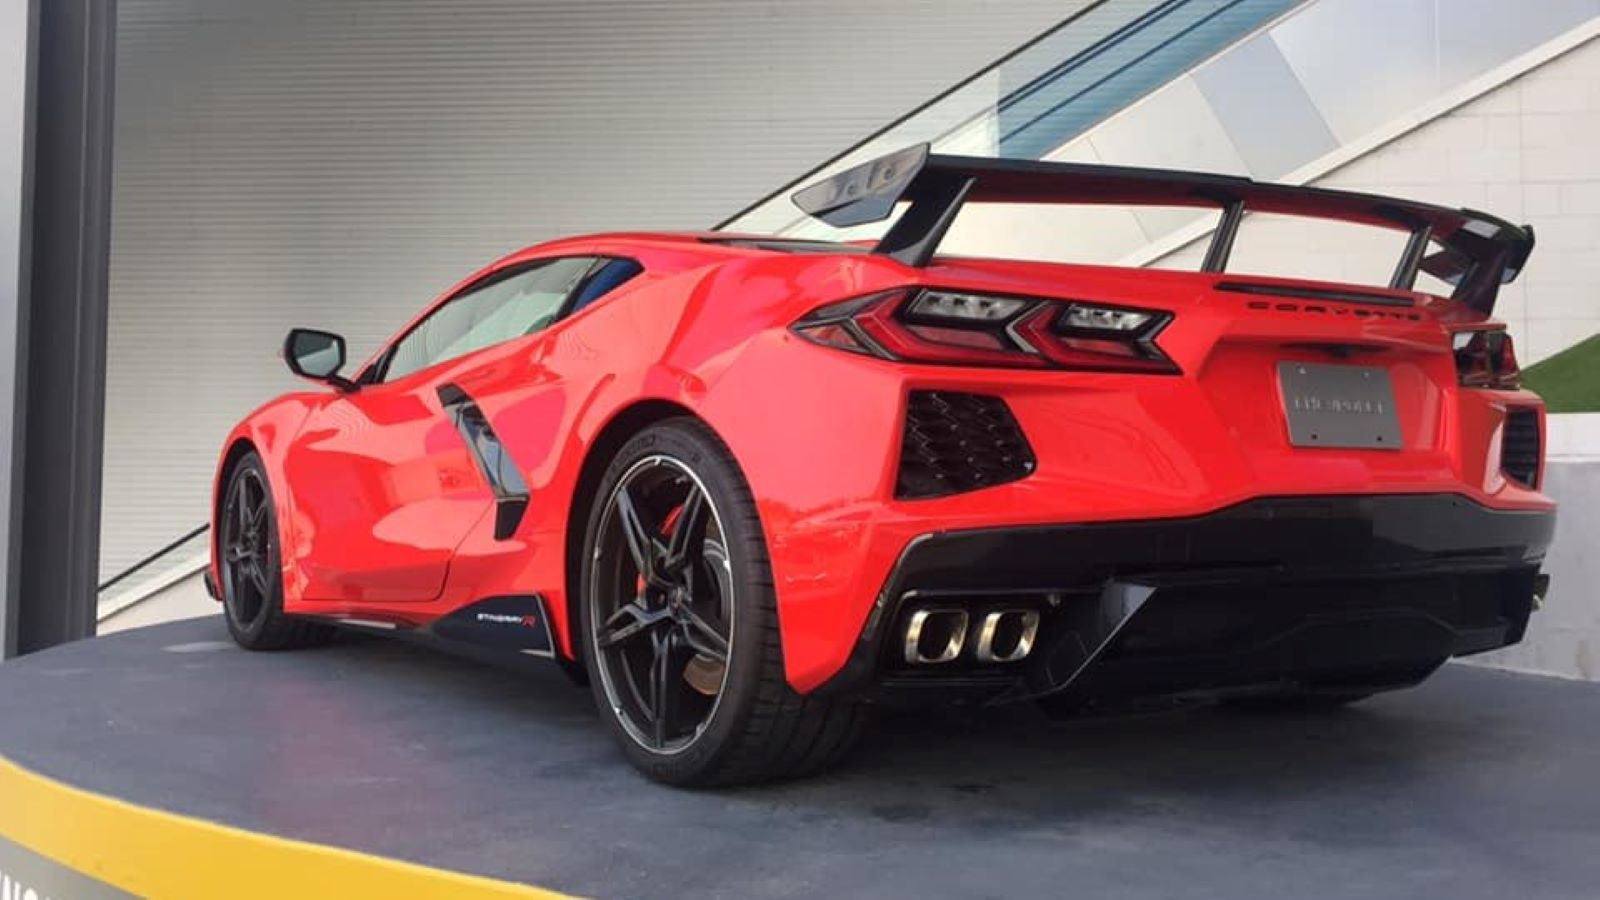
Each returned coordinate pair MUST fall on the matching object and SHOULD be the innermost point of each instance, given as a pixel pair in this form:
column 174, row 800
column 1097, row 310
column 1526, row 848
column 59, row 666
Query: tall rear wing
column 1477, row 252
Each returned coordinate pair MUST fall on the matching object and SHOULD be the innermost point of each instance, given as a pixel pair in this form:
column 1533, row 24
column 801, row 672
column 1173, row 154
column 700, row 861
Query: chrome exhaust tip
column 935, row 636
column 1006, row 635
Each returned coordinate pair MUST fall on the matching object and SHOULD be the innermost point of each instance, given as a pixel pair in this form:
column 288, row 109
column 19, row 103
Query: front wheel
column 252, row 578
column 680, row 625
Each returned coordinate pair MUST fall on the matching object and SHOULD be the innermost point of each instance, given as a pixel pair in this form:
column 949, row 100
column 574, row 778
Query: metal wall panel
column 338, row 163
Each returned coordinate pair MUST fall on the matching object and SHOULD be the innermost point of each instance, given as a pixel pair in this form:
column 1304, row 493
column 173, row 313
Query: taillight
column 1486, row 359
column 960, row 328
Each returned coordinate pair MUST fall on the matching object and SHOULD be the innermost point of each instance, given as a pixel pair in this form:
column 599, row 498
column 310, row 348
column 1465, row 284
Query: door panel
column 383, row 489
column 387, row 481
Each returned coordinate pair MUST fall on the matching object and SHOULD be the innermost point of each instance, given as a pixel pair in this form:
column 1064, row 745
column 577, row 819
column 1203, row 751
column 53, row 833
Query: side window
column 611, row 276
column 504, row 308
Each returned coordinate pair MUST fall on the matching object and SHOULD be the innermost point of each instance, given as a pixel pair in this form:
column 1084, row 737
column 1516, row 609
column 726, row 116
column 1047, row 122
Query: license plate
column 1339, row 406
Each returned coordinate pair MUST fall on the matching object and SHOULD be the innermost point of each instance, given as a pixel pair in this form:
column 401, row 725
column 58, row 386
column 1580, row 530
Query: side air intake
column 955, row 442
column 1519, row 448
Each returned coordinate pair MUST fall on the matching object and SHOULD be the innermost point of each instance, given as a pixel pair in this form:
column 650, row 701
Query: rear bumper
column 1320, row 590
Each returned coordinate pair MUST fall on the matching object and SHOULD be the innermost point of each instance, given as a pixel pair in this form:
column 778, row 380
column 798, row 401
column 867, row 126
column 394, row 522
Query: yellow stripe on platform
column 160, row 854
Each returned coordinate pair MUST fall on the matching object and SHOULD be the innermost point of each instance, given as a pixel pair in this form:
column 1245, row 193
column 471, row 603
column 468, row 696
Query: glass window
column 505, row 308
column 610, row 277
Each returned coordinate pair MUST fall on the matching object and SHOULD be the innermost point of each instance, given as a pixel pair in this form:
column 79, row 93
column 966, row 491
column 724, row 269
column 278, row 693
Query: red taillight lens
column 1486, row 359
column 1073, row 346
column 958, row 328
column 925, row 338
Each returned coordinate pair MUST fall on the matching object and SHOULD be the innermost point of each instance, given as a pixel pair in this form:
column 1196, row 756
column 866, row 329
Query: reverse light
column 1486, row 359
column 1100, row 318
column 965, row 307
column 962, row 328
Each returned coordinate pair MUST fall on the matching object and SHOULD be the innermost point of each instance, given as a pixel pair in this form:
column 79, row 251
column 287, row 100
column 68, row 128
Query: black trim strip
column 1309, row 293
column 516, row 622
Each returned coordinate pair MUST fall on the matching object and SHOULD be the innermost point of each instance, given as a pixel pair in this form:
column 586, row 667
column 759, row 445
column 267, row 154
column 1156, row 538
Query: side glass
column 505, row 308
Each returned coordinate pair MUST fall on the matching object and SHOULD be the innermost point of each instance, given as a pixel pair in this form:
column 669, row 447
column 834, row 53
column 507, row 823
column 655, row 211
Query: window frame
column 378, row 372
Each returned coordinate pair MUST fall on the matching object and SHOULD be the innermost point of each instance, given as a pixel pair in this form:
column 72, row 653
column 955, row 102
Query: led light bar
column 1102, row 318
column 965, row 307
column 949, row 327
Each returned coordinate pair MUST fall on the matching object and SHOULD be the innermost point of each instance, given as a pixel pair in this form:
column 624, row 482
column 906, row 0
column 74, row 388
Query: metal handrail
column 148, row 560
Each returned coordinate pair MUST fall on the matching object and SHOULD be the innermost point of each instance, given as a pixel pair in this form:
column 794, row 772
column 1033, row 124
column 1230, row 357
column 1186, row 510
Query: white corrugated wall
column 338, row 163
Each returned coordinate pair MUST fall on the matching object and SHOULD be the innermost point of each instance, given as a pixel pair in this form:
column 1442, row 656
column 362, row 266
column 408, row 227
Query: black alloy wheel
column 251, row 577
column 246, row 549
column 664, row 596
column 678, row 622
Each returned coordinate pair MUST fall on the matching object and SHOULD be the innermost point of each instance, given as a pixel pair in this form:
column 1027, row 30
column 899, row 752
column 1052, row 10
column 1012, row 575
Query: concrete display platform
column 1478, row 784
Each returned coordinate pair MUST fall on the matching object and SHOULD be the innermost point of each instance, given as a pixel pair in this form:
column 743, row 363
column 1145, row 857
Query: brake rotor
column 704, row 675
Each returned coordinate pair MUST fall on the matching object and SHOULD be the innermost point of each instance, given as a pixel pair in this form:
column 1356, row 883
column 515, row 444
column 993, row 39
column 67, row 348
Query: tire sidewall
column 696, row 448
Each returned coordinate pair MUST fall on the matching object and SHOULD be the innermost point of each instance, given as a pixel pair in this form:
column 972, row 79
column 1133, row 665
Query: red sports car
column 749, row 487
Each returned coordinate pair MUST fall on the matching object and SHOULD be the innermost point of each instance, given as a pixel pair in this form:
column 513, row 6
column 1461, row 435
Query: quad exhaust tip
column 1007, row 635
column 938, row 635
column 935, row 636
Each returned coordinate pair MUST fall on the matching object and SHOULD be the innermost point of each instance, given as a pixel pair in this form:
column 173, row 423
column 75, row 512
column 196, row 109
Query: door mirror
column 317, row 355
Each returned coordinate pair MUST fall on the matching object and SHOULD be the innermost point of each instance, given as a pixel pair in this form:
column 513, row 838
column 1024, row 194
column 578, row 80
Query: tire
column 1275, row 704
column 686, row 590
column 252, row 576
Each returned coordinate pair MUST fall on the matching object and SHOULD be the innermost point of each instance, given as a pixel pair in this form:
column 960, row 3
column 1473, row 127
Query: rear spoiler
column 1477, row 252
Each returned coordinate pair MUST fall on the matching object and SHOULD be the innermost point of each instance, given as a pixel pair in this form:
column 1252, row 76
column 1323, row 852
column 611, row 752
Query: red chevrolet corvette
column 748, row 487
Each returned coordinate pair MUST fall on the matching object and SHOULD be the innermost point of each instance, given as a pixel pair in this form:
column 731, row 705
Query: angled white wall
column 1524, row 151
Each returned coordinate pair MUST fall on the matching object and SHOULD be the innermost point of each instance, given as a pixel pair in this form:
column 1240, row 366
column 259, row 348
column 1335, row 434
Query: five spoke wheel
column 246, row 544
column 662, row 598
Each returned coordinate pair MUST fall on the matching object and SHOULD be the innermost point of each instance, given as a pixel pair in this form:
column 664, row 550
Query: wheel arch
column 236, row 450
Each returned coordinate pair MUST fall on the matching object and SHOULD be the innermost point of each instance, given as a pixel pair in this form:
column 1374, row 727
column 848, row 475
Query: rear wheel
column 252, row 579
column 680, row 625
